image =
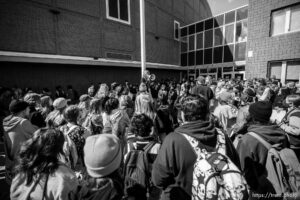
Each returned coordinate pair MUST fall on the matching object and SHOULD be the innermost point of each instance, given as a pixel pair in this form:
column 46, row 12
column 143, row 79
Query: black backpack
column 137, row 173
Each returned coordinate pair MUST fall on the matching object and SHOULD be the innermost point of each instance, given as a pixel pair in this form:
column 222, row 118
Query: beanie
column 60, row 103
column 102, row 154
column 17, row 106
column 261, row 111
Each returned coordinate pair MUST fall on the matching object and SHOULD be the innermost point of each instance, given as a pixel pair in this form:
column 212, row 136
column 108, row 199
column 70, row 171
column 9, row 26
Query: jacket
column 253, row 155
column 204, row 91
column 61, row 184
column 173, row 167
column 16, row 131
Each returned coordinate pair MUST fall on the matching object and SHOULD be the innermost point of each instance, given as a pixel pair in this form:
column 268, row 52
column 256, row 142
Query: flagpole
column 143, row 42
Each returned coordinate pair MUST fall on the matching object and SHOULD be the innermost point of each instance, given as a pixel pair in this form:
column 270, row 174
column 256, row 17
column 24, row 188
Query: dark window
column 119, row 10
column 183, row 32
column 208, row 42
column 113, row 8
column 200, row 40
column 219, row 21
column 208, row 56
column 176, row 30
column 124, row 10
column 199, row 57
column 229, row 30
column 191, row 58
column 229, row 17
column 199, row 27
column 228, row 53
column 192, row 29
column 218, row 54
column 240, row 51
column 242, row 13
column 212, row 70
column 209, row 23
column 239, row 68
column 184, row 59
column 183, row 44
column 227, row 69
column 218, row 37
column 203, row 71
column 191, row 42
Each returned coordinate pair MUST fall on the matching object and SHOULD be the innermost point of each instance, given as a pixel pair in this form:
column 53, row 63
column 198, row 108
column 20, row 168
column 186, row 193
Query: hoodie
column 173, row 167
column 16, row 131
column 253, row 155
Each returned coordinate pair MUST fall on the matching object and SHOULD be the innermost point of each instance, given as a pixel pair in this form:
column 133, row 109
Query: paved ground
column 4, row 188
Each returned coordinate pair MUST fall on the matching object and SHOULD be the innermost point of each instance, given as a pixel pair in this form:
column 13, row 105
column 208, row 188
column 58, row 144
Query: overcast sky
column 221, row 6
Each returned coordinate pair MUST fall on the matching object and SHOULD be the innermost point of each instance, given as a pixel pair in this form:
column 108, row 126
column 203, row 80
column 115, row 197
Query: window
column 219, row 21
column 199, row 27
column 191, row 58
column 184, row 59
column 200, row 41
column 285, row 20
column 218, row 54
column 241, row 13
column 218, row 37
column 199, row 57
column 209, row 24
column 118, row 10
column 293, row 70
column 240, row 51
column 208, row 56
column 228, row 53
column 191, row 42
column 241, row 31
column 176, row 30
column 192, row 29
column 183, row 32
column 184, row 44
column 229, row 31
column 229, row 17
column 208, row 42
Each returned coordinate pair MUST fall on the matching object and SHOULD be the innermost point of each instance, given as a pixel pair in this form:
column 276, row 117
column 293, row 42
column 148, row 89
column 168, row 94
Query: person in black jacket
column 173, row 167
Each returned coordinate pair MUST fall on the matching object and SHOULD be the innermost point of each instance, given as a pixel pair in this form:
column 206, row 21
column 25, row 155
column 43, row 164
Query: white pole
column 143, row 43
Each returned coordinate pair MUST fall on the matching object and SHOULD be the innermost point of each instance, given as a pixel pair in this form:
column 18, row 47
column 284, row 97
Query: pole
column 143, row 43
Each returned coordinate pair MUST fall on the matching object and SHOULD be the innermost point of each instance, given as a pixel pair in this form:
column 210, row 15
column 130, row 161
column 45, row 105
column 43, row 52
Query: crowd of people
column 202, row 139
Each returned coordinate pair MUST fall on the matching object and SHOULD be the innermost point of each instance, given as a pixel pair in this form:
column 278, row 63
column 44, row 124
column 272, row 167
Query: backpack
column 137, row 173
column 282, row 166
column 215, row 176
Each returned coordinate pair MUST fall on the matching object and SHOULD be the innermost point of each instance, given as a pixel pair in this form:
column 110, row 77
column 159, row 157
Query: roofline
column 8, row 56
column 215, row 16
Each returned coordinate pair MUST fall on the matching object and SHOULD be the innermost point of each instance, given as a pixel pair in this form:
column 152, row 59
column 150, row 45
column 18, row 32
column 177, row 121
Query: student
column 104, row 176
column 17, row 129
column 56, row 116
column 140, row 140
column 40, row 174
column 173, row 167
column 253, row 153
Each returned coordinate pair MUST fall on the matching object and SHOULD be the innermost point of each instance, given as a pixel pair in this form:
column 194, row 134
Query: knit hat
column 102, row 155
column 17, row 106
column 60, row 103
column 32, row 98
column 225, row 96
column 261, row 111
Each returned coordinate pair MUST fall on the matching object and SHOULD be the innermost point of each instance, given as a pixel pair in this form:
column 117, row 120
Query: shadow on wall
column 37, row 75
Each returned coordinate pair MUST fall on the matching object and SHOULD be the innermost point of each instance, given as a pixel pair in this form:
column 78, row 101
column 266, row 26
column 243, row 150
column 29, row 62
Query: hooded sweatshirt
column 16, row 131
column 253, row 155
column 173, row 167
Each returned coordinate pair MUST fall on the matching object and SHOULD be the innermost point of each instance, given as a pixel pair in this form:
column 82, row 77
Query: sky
column 221, row 6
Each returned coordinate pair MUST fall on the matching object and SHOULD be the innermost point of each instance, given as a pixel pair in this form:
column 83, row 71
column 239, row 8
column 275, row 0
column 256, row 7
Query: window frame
column 288, row 12
column 179, row 32
column 118, row 19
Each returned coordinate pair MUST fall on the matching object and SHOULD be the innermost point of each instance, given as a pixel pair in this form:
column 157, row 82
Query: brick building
column 274, row 39
column 49, row 42
column 261, row 39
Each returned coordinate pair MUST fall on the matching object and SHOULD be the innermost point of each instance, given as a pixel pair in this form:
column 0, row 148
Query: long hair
column 144, row 105
column 40, row 154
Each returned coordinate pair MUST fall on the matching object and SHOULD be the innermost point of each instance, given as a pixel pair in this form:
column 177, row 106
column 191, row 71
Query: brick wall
column 264, row 47
column 81, row 28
